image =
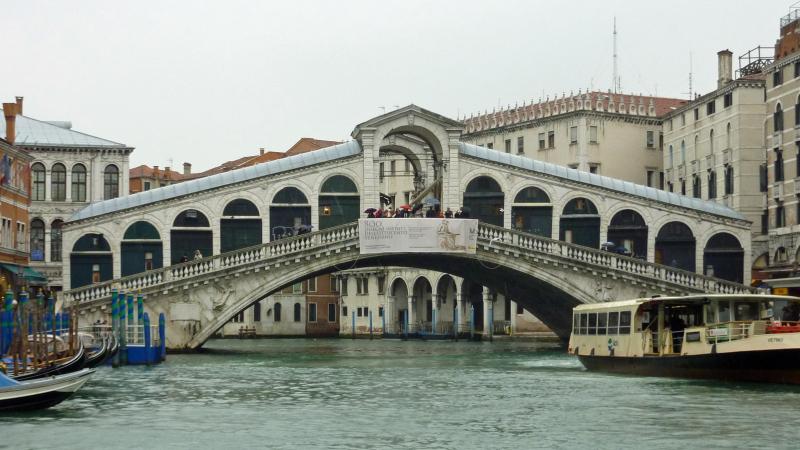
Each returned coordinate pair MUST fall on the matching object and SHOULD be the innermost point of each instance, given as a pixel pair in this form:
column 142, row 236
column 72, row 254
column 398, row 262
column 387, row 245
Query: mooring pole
column 370, row 324
column 455, row 323
column 147, row 339
column 353, row 325
column 472, row 322
column 115, row 325
column 123, row 330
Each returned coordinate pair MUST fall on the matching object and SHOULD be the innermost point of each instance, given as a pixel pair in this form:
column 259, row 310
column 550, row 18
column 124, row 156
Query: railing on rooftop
column 794, row 14
column 501, row 238
column 755, row 60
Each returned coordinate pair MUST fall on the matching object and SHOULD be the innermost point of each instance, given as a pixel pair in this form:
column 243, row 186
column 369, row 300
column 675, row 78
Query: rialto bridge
column 539, row 238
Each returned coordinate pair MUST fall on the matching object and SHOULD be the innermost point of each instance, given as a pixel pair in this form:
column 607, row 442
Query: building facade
column 14, row 205
column 594, row 132
column 714, row 147
column 70, row 170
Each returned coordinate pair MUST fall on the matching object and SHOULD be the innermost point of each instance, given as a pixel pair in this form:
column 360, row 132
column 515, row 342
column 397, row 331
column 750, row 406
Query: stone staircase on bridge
column 342, row 241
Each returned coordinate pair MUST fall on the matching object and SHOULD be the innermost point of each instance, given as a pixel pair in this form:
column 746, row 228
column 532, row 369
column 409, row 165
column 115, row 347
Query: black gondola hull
column 73, row 365
column 769, row 366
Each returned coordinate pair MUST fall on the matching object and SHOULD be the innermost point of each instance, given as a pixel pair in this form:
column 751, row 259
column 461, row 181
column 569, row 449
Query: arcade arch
column 532, row 212
column 484, row 198
column 580, row 223
column 141, row 248
column 190, row 233
column 240, row 225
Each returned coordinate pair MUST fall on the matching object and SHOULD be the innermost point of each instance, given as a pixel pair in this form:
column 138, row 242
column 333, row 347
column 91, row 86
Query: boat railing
column 730, row 331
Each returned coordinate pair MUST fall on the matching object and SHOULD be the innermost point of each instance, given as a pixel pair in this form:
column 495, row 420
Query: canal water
column 304, row 393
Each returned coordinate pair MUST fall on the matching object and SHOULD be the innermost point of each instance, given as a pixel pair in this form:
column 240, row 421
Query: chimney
column 19, row 105
column 187, row 168
column 261, row 151
column 10, row 112
column 725, row 67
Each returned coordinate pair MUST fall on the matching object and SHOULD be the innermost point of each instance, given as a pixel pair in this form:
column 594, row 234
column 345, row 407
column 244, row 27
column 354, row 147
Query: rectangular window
column 380, row 311
column 727, row 100
column 366, row 311
column 797, row 69
column 490, row 145
column 344, row 311
column 651, row 139
column 602, row 319
column 625, row 322
column 593, row 134
column 312, row 312
column 573, row 135
column 146, row 186
column 696, row 114
column 584, row 323
column 576, row 324
column 331, row 312
column 683, row 119
column 38, row 181
column 343, row 286
column 408, row 166
column 551, row 139
column 594, row 168
column 711, row 107
column 541, row 141
column 312, row 284
column 762, row 177
column 332, row 280
column 613, row 322
column 380, row 170
column 381, row 284
column 661, row 180
column 764, row 222
column 780, row 216
column 392, row 167
column 297, row 288
column 508, row 145
column 359, row 312
column 778, row 165
column 777, row 77
column 257, row 312
column 650, row 174
column 592, row 323
column 521, row 144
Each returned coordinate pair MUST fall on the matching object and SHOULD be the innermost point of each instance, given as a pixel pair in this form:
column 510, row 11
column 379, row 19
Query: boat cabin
column 689, row 325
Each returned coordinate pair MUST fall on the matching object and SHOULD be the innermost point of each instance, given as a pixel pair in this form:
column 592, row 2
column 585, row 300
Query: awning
column 33, row 277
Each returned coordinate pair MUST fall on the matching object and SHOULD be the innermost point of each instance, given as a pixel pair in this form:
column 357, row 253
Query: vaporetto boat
column 727, row 337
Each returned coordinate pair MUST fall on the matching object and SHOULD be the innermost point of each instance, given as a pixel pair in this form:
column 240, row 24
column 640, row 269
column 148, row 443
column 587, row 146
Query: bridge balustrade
column 488, row 235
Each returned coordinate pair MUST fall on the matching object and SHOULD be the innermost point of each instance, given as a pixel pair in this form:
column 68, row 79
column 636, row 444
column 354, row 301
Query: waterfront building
column 15, row 202
column 617, row 135
column 714, row 151
column 782, row 138
column 70, row 170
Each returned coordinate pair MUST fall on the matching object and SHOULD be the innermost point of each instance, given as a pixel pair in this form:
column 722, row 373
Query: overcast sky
column 206, row 82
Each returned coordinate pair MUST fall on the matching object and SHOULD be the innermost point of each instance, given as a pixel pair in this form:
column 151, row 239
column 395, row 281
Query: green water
column 395, row 394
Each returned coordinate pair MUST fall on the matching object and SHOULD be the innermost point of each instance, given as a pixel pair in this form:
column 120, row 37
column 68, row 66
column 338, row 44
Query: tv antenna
column 616, row 85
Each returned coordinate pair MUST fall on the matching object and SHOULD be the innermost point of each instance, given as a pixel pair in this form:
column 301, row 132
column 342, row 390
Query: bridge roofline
column 608, row 183
column 340, row 151
column 391, row 115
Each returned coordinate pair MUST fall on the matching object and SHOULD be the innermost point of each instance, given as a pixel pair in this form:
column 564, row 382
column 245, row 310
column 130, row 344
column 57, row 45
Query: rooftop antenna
column 615, row 83
column 691, row 92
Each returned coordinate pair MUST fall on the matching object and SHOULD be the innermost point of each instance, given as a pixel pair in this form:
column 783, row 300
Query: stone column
column 48, row 187
column 390, row 314
column 513, row 305
column 435, row 317
column 488, row 311
column 412, row 316
column 459, row 319
column 68, row 187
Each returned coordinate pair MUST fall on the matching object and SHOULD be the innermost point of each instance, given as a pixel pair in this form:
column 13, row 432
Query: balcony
column 726, row 156
column 710, row 161
column 777, row 190
column 682, row 171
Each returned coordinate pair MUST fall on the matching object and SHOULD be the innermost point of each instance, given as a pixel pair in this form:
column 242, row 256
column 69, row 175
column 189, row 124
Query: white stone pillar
column 389, row 313
column 487, row 313
column 68, row 187
column 435, row 301
column 48, row 187
column 412, row 316
column 513, row 305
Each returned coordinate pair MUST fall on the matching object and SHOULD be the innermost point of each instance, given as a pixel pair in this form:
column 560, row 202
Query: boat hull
column 41, row 394
column 768, row 366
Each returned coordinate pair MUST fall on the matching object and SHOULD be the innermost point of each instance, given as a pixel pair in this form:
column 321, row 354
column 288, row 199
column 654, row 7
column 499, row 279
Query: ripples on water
column 297, row 393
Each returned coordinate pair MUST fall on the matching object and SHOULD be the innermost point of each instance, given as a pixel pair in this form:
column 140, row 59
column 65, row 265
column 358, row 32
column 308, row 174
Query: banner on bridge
column 395, row 235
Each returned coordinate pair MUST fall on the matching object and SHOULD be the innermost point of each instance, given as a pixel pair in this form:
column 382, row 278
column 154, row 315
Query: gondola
column 77, row 362
column 113, row 348
column 40, row 393
column 98, row 356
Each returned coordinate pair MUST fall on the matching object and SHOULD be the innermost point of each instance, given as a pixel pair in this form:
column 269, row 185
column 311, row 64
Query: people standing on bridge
column 448, row 214
column 198, row 255
column 184, row 258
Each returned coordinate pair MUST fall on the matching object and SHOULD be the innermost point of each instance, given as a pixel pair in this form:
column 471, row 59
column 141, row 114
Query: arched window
column 58, row 182
column 712, row 184
column 240, row 207
column 78, row 183
column 55, row 240
column 240, row 225
column 191, row 234
column 297, row 315
column 671, row 157
column 728, row 136
column 580, row 223
column 483, row 199
column 37, row 240
column 111, row 182
column 289, row 213
column 696, row 146
column 141, row 248
column 38, row 186
column 339, row 202
column 696, row 186
column 257, row 312
column 627, row 234
column 723, row 258
column 683, row 152
column 91, row 260
column 777, row 118
column 675, row 246
column 728, row 180
column 711, row 142
column 277, row 316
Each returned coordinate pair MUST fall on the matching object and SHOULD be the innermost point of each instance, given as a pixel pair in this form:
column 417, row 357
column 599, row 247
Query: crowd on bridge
column 418, row 211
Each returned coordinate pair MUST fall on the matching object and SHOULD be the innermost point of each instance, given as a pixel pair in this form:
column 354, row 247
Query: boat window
column 584, row 323
column 576, row 324
column 625, row 322
column 724, row 309
column 711, row 313
column 592, row 323
column 613, row 322
column 745, row 311
column 602, row 319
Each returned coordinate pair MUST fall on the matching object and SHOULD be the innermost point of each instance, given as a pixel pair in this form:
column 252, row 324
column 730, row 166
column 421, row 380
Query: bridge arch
column 580, row 222
column 422, row 291
column 485, row 198
column 190, row 233
column 91, row 260
column 398, row 304
column 240, row 225
column 676, row 245
column 339, row 201
column 289, row 210
column 724, row 256
column 532, row 211
column 141, row 248
column 628, row 229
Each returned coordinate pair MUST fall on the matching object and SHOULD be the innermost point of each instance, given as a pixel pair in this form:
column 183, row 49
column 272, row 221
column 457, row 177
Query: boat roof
column 680, row 299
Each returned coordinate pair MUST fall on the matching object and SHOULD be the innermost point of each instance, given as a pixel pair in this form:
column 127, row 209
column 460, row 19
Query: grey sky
column 205, row 82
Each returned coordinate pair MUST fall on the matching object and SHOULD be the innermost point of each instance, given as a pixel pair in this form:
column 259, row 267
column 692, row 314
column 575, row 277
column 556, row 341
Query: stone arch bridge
column 542, row 226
